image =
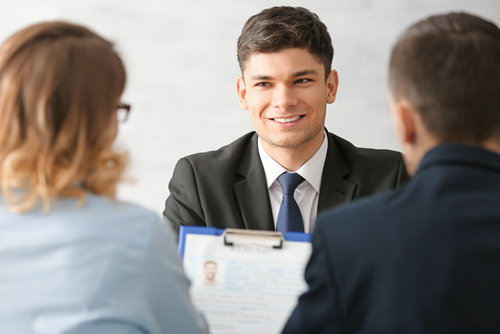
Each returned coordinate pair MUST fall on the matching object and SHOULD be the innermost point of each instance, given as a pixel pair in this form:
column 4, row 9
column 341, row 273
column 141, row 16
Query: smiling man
column 285, row 55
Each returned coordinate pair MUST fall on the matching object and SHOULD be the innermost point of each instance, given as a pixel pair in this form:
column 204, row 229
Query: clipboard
column 244, row 281
column 184, row 230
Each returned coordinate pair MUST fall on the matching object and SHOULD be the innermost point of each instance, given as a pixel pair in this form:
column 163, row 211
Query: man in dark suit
column 424, row 258
column 285, row 56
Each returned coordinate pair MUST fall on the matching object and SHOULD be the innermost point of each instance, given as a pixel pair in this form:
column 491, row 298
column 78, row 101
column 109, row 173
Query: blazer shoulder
column 226, row 157
column 353, row 153
column 380, row 168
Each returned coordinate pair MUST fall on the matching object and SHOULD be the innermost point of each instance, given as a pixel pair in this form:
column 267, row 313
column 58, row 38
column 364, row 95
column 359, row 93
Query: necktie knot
column 289, row 182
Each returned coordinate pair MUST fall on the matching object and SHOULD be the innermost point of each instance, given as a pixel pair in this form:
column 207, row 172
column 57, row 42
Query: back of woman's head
column 59, row 87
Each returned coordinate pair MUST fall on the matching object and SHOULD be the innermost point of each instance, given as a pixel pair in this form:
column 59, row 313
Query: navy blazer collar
column 460, row 154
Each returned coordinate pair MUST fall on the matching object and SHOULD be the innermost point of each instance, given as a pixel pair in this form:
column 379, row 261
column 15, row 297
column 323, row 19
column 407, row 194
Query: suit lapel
column 251, row 191
column 334, row 189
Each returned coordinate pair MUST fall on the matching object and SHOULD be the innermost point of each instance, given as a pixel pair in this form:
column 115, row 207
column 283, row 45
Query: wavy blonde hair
column 59, row 87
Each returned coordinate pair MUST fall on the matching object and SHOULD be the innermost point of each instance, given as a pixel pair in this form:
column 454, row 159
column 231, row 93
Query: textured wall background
column 181, row 61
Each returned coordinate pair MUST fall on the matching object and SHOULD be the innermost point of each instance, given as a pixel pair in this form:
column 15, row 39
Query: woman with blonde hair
column 72, row 258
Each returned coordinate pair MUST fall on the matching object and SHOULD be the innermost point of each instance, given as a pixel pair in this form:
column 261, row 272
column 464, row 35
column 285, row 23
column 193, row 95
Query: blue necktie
column 289, row 216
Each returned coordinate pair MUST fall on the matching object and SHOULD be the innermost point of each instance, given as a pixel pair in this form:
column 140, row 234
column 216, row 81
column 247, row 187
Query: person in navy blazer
column 424, row 258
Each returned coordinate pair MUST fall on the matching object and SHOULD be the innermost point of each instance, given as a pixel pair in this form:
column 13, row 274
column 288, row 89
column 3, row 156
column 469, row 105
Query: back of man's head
column 280, row 28
column 448, row 68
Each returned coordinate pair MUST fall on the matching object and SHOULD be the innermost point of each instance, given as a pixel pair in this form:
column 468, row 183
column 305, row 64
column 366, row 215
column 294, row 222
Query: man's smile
column 287, row 120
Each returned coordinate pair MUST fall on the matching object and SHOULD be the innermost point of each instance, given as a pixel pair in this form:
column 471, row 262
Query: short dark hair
column 448, row 68
column 280, row 28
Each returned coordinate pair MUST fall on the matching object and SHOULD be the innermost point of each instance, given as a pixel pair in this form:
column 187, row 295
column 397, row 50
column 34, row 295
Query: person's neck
column 492, row 145
column 292, row 158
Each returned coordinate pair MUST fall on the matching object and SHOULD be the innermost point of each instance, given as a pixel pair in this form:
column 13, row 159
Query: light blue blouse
column 108, row 267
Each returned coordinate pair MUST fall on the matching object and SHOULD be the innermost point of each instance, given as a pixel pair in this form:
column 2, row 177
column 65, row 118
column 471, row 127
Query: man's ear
column 407, row 116
column 242, row 93
column 332, row 84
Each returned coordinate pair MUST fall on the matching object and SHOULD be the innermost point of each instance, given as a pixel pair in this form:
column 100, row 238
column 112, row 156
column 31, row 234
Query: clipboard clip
column 272, row 239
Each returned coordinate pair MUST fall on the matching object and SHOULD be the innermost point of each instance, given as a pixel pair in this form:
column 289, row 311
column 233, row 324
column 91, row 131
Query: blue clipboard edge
column 184, row 230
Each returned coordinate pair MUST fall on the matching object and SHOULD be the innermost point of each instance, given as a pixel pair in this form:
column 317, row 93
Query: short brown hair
column 59, row 86
column 448, row 68
column 280, row 28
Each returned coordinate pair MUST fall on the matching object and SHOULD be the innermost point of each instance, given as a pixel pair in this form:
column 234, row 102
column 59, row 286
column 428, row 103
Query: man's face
column 286, row 95
column 210, row 271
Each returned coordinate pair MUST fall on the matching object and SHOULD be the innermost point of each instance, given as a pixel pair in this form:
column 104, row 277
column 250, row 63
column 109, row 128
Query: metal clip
column 272, row 239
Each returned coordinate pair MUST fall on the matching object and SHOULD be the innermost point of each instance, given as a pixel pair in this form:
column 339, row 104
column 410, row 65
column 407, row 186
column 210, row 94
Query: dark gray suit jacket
column 227, row 188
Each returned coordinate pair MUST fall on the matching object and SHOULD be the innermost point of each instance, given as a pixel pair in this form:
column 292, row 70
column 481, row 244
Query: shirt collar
column 312, row 170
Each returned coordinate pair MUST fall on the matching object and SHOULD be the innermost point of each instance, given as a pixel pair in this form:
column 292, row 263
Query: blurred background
column 181, row 62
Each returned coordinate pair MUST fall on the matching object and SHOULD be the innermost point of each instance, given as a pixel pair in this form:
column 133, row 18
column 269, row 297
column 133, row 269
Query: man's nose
column 284, row 97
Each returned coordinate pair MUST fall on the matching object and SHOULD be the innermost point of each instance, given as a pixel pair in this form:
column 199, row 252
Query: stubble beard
column 296, row 141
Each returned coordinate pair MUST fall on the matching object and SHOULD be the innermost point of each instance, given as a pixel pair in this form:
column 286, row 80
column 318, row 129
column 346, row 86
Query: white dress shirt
column 108, row 267
column 307, row 193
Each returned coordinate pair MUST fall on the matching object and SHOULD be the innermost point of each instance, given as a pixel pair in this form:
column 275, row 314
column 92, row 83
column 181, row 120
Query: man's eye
column 262, row 84
column 302, row 80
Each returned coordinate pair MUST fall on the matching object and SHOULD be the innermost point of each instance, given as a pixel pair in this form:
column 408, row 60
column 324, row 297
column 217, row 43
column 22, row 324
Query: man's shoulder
column 231, row 152
column 220, row 165
column 372, row 170
column 353, row 153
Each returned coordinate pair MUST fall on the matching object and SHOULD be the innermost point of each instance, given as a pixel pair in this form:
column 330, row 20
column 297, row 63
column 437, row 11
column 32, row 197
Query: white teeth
column 287, row 120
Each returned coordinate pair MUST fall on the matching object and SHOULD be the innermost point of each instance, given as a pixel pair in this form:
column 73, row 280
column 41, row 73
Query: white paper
column 245, row 288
